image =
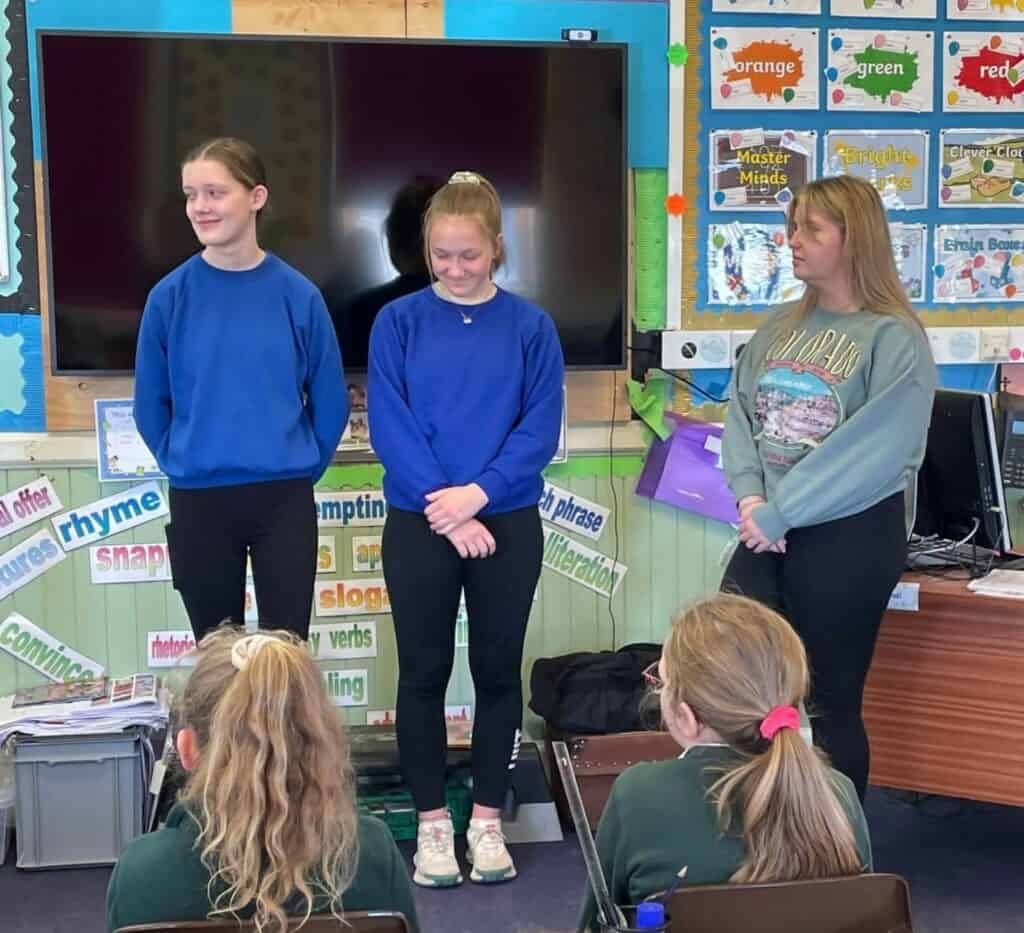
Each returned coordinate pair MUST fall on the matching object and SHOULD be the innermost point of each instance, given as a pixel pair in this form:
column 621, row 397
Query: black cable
column 615, row 502
column 683, row 379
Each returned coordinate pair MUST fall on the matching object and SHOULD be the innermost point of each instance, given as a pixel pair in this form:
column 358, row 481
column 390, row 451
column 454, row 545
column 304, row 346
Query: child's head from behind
column 462, row 235
column 271, row 782
column 734, row 667
column 731, row 660
column 225, row 186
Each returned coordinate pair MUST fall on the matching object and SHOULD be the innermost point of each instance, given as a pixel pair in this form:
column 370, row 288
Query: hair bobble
column 781, row 717
column 464, row 178
column 246, row 648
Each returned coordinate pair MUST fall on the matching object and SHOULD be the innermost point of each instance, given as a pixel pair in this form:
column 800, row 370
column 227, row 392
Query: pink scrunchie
column 782, row 717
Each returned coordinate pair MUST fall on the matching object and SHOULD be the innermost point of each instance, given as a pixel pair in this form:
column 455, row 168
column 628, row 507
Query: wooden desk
column 944, row 703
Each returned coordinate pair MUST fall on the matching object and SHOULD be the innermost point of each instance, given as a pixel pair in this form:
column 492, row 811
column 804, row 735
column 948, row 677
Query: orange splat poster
column 754, row 67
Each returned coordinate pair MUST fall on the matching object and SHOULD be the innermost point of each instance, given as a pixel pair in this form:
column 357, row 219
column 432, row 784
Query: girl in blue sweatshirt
column 240, row 395
column 465, row 404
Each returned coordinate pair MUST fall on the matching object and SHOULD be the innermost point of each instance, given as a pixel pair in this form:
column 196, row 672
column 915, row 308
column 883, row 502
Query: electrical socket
column 995, row 345
column 696, row 349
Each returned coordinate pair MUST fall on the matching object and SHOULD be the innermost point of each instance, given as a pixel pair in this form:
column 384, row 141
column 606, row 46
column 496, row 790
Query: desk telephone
column 1011, row 423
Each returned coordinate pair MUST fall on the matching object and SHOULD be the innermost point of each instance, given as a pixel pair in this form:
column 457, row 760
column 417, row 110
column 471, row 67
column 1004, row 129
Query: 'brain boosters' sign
column 105, row 517
column 979, row 263
column 752, row 67
column 351, row 597
column 982, row 72
column 895, row 162
column 869, row 70
column 351, row 509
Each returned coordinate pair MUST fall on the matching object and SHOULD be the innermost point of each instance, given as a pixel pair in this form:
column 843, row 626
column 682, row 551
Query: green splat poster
column 887, row 71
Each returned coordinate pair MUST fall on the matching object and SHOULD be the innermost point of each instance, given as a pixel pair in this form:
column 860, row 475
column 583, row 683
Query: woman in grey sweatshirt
column 828, row 416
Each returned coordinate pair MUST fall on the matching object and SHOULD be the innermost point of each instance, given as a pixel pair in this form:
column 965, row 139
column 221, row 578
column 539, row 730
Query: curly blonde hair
column 273, row 792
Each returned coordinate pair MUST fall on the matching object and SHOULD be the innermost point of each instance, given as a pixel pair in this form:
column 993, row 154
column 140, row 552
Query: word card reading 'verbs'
column 974, row 262
column 755, row 68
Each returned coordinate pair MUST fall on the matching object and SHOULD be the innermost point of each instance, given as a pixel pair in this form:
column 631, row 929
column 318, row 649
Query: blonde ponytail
column 733, row 661
column 273, row 791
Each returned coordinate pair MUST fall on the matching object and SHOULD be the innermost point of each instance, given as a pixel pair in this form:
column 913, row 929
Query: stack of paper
column 1005, row 583
column 128, row 701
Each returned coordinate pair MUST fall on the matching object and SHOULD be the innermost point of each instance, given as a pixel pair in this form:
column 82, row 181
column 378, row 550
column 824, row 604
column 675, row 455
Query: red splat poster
column 983, row 71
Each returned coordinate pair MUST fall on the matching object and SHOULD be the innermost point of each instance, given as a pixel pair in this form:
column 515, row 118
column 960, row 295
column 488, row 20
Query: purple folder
column 685, row 470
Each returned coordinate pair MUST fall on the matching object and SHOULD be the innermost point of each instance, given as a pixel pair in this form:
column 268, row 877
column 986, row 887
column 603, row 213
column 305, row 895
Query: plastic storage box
column 6, row 800
column 80, row 798
column 399, row 812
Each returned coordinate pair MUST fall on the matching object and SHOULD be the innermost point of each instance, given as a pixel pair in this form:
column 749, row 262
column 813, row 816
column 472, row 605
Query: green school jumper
column 658, row 819
column 160, row 877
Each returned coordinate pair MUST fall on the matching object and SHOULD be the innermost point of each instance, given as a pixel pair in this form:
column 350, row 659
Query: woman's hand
column 472, row 539
column 450, row 507
column 750, row 534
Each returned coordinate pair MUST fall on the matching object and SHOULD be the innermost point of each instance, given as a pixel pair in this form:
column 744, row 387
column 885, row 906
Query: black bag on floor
column 593, row 692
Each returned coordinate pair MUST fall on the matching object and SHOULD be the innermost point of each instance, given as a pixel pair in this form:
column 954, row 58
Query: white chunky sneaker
column 435, row 855
column 486, row 852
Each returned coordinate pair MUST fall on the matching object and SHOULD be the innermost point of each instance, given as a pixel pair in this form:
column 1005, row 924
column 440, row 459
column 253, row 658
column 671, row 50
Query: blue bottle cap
column 650, row 915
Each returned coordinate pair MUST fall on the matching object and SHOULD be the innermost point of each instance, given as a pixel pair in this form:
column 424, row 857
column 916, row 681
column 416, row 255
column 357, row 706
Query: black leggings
column 425, row 576
column 211, row 531
column 833, row 584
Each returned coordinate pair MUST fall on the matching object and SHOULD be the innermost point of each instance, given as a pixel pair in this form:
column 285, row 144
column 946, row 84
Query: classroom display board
column 924, row 100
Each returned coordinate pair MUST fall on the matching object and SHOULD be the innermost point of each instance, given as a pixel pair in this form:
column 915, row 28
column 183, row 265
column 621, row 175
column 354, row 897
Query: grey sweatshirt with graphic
column 827, row 417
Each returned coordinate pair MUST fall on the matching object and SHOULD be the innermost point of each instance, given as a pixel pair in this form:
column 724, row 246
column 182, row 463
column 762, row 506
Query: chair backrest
column 356, row 921
column 876, row 903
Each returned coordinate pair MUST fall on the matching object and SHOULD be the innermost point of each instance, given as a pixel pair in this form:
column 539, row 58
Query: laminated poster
column 872, row 69
column 894, row 161
column 1002, row 10
column 983, row 72
column 121, row 453
column 887, row 9
column 750, row 264
column 976, row 263
column 981, row 168
column 909, row 244
column 766, row 6
column 753, row 68
column 758, row 170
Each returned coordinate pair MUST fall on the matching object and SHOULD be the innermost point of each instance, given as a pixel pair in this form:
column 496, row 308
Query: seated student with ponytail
column 266, row 826
column 749, row 800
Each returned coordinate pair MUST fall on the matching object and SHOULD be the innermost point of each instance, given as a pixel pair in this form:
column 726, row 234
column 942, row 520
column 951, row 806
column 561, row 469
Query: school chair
column 874, row 903
column 357, row 921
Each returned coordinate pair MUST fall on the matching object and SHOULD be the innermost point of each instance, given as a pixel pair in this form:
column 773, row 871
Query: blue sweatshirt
column 238, row 377
column 453, row 403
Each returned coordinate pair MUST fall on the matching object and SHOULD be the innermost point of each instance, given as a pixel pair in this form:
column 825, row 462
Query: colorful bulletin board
column 930, row 109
